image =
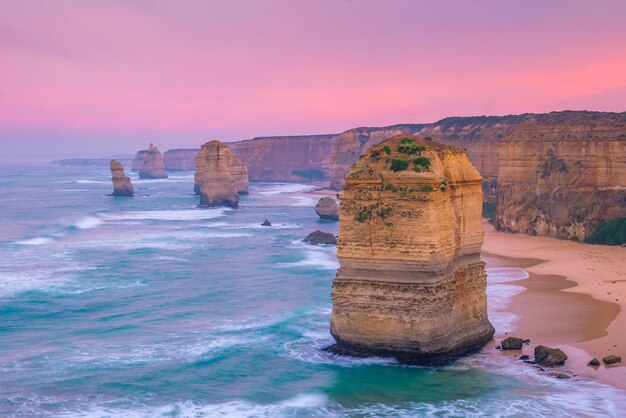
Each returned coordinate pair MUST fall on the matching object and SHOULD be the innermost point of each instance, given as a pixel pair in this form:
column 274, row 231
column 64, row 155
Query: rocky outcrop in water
column 138, row 160
column 153, row 166
column 326, row 208
column 180, row 159
column 121, row 183
column 238, row 172
column 214, row 181
column 321, row 238
column 549, row 357
column 411, row 283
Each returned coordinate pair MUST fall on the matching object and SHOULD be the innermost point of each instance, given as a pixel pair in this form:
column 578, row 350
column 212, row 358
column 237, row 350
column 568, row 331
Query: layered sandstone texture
column 411, row 284
column 213, row 176
column 238, row 172
column 562, row 174
column 286, row 158
column 121, row 183
column 327, row 208
column 153, row 166
column 180, row 159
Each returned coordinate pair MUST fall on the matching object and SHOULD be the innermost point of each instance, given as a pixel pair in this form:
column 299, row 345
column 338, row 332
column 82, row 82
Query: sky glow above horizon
column 97, row 78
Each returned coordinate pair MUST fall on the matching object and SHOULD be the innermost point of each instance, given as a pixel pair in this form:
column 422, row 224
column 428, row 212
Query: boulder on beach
column 612, row 359
column 327, row 208
column 266, row 223
column 593, row 362
column 121, row 183
column 321, row 237
column 549, row 357
column 512, row 343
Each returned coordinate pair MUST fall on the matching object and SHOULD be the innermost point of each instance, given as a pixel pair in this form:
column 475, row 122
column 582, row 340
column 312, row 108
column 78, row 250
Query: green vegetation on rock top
column 612, row 232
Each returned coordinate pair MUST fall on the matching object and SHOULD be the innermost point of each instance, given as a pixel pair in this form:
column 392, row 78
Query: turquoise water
column 149, row 306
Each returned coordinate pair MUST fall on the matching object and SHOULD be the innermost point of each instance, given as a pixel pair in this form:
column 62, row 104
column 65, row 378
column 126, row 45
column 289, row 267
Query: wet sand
column 574, row 298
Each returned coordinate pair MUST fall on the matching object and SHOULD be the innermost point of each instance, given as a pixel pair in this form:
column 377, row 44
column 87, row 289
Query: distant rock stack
column 138, row 160
column 153, row 166
column 121, row 184
column 238, row 172
column 411, row 283
column 327, row 208
column 214, row 181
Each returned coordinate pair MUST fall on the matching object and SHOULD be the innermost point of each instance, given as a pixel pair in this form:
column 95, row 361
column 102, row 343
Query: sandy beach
column 574, row 298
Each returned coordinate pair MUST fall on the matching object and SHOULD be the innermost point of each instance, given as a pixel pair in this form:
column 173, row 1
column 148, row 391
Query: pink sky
column 100, row 77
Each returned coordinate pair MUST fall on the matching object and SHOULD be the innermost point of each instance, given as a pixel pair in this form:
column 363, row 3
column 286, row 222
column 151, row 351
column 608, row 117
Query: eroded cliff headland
column 153, row 166
column 214, row 180
column 411, row 283
column 121, row 183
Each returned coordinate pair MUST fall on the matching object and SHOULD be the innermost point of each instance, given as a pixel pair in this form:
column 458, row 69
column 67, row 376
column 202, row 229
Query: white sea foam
column 169, row 215
column 86, row 181
column 88, row 222
column 280, row 188
column 316, row 258
column 500, row 295
column 36, row 241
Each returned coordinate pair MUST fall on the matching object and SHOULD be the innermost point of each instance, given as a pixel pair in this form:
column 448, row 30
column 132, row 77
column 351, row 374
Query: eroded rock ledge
column 411, row 284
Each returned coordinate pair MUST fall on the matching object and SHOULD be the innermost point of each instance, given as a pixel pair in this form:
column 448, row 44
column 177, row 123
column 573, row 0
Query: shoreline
column 574, row 298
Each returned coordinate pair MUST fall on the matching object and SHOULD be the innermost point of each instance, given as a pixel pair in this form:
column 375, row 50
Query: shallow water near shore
column 149, row 306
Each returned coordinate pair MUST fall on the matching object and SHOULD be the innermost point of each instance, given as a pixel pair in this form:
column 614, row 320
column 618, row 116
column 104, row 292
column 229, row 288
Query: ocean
column 151, row 307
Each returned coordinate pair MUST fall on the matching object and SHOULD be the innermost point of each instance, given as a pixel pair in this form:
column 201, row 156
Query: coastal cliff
column 562, row 174
column 121, row 183
column 180, row 159
column 213, row 176
column 286, row 158
column 411, row 284
column 153, row 166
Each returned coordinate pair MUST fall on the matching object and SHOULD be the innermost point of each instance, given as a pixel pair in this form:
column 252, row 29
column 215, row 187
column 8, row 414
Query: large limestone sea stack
column 238, row 171
column 153, row 166
column 411, row 284
column 214, row 181
column 121, row 183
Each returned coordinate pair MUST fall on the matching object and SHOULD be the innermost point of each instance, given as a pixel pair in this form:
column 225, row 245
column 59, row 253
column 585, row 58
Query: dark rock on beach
column 266, row 223
column 549, row 357
column 512, row 343
column 593, row 362
column 321, row 237
column 612, row 359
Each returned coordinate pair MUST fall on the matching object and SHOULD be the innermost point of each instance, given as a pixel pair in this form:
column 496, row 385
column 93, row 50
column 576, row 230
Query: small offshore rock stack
column 214, row 181
column 121, row 183
column 411, row 284
column 237, row 168
column 327, row 208
column 153, row 166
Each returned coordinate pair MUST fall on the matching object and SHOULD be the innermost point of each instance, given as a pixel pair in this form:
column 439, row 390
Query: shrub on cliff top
column 387, row 149
column 409, row 146
column 612, row 232
column 422, row 161
column 399, row 165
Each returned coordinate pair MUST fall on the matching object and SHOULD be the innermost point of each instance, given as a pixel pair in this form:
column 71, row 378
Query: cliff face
column 213, row 176
column 121, row 183
column 561, row 174
column 153, row 166
column 411, row 283
column 349, row 145
column 180, row 159
column 287, row 158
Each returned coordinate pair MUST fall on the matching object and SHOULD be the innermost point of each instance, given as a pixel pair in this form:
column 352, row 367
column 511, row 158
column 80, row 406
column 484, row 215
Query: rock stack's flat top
column 213, row 177
column 153, row 166
column 411, row 284
column 121, row 183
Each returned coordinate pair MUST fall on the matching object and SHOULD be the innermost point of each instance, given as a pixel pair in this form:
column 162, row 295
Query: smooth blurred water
column 149, row 306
